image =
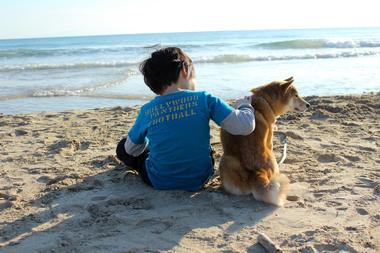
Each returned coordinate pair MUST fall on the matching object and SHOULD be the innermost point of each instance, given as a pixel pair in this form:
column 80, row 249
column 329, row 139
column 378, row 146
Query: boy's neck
column 170, row 89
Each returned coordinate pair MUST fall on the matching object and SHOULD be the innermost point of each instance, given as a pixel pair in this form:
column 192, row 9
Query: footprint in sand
column 85, row 145
column 365, row 182
column 98, row 198
column 98, row 210
column 319, row 115
column 329, row 158
column 20, row 132
column 294, row 135
column 110, row 206
column 352, row 158
column 4, row 204
column 376, row 189
column 101, row 161
column 134, row 203
column 68, row 147
column 330, row 108
column 86, row 185
column 361, row 211
column 44, row 179
column 156, row 226
column 63, row 145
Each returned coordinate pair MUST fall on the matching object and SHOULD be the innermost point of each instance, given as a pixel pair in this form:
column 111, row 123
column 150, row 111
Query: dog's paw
column 276, row 186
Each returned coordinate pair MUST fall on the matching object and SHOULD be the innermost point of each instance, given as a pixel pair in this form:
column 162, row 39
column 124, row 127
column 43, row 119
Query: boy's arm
column 239, row 121
column 137, row 142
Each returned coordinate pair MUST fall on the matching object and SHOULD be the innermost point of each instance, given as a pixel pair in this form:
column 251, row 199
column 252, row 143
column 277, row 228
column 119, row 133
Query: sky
column 42, row 18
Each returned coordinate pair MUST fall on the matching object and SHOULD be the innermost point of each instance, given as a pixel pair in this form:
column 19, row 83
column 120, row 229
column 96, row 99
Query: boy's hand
column 247, row 100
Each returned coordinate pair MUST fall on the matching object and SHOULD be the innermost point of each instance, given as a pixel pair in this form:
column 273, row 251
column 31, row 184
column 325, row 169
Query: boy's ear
column 185, row 72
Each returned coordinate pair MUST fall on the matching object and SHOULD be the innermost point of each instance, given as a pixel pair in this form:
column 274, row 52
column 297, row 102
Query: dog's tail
column 271, row 188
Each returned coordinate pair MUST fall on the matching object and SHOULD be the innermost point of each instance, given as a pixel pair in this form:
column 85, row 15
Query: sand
column 63, row 190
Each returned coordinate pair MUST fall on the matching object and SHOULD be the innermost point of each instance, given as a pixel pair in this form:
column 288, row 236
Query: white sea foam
column 238, row 58
column 320, row 43
column 49, row 52
column 224, row 58
column 79, row 65
column 9, row 53
column 52, row 92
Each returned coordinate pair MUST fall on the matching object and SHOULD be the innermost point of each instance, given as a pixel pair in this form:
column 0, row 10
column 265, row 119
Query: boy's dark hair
column 163, row 68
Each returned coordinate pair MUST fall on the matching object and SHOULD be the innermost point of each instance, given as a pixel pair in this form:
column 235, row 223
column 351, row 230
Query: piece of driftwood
column 292, row 197
column 268, row 244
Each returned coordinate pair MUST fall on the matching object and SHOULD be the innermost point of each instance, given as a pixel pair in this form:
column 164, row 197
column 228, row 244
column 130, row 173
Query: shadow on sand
column 114, row 211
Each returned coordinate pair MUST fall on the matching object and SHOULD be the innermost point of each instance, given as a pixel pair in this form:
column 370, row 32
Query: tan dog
column 248, row 164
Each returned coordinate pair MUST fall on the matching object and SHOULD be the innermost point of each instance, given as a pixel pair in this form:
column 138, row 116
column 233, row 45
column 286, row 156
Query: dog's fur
column 248, row 164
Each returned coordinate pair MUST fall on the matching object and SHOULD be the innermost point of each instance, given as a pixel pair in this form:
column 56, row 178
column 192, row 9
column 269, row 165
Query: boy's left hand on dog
column 243, row 101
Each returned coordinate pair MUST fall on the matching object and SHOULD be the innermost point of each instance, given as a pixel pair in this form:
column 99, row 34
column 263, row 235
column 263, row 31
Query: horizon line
column 206, row 31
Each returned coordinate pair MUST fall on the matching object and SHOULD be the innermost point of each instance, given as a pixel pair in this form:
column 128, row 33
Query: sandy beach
column 63, row 190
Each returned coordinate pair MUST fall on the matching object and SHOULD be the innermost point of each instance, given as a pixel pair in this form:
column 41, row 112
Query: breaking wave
column 79, row 65
column 75, row 51
column 239, row 58
column 80, row 91
column 29, row 52
column 319, row 43
column 224, row 58
column 49, row 52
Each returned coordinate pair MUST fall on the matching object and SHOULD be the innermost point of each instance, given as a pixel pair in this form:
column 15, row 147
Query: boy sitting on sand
column 169, row 144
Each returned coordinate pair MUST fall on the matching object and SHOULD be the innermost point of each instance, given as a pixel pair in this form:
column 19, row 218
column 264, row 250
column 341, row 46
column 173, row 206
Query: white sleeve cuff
column 241, row 121
column 134, row 149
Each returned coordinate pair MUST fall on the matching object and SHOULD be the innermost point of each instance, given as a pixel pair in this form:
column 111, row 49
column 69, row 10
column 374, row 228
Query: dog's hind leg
column 235, row 179
column 271, row 188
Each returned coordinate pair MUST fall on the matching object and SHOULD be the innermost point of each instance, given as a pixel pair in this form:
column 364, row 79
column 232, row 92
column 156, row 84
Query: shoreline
column 142, row 99
column 63, row 190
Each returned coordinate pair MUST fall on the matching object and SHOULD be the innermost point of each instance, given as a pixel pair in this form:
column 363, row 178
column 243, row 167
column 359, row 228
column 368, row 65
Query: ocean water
column 57, row 74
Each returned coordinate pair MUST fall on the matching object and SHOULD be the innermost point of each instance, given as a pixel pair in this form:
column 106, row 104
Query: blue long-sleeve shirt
column 175, row 127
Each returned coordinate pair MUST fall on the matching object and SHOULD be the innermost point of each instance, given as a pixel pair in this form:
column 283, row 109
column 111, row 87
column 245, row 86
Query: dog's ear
column 289, row 79
column 287, row 84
